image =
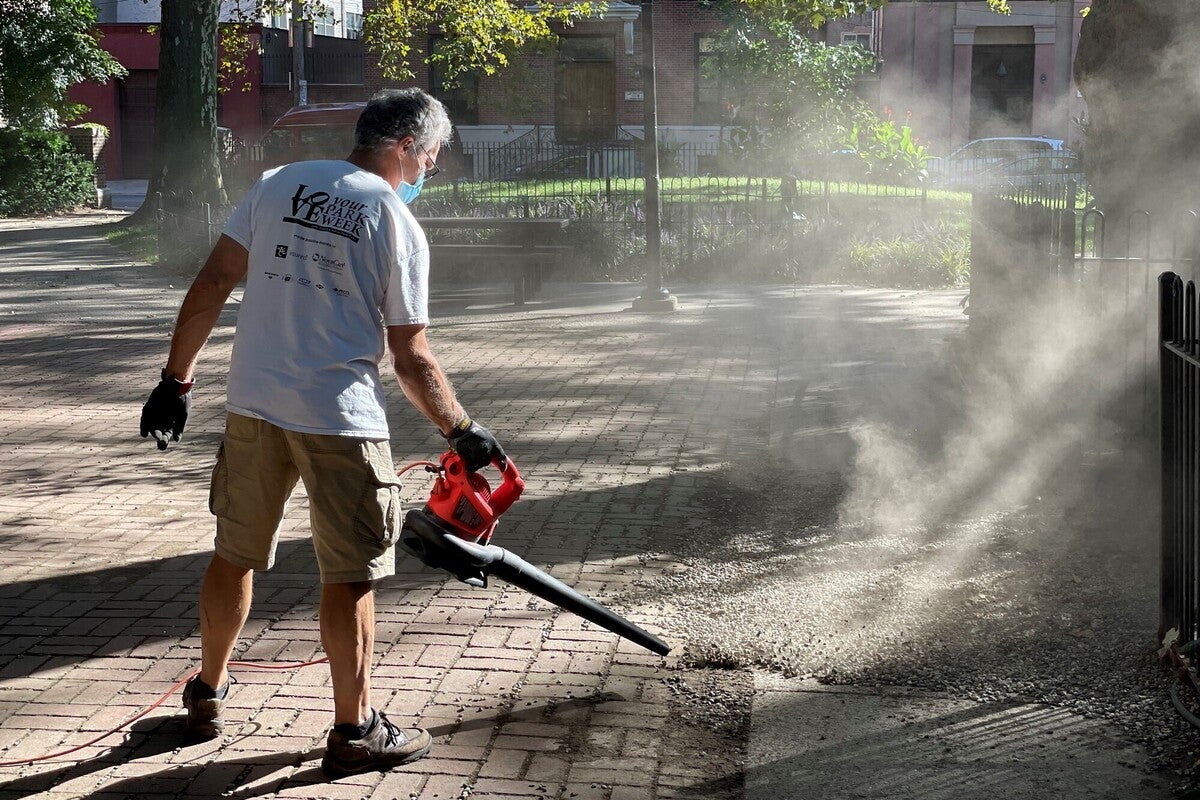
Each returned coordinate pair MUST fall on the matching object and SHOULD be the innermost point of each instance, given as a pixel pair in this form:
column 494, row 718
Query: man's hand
column 166, row 412
column 475, row 445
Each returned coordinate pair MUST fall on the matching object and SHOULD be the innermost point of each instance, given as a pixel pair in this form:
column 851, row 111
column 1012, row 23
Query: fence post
column 608, row 187
column 1168, row 323
column 158, row 222
column 1166, row 606
column 208, row 226
column 691, row 231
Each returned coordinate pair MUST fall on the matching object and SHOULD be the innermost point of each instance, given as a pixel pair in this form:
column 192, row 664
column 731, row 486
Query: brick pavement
column 613, row 417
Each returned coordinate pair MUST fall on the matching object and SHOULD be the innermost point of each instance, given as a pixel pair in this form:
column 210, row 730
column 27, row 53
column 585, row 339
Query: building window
column 712, row 93
column 324, row 22
column 279, row 21
column 586, row 48
column 354, row 25
column 863, row 40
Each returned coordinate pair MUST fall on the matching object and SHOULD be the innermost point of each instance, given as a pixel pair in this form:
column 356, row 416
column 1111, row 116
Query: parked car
column 325, row 130
column 969, row 163
column 321, row 130
column 567, row 166
column 1043, row 170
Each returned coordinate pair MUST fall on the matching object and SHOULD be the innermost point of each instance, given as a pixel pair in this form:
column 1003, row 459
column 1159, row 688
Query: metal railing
column 1179, row 380
column 330, row 61
column 187, row 227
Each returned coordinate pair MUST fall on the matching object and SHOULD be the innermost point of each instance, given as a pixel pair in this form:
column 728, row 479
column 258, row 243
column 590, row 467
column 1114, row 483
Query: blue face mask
column 409, row 191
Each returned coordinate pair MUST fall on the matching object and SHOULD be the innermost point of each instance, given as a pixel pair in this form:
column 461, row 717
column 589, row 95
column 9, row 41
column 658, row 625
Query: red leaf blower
column 453, row 531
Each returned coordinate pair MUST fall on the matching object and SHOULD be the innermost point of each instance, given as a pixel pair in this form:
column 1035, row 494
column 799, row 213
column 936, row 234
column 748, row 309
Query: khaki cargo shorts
column 353, row 496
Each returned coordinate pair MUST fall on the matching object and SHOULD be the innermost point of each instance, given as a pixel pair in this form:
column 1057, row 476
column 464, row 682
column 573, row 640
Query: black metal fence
column 330, row 61
column 1179, row 381
column 704, row 220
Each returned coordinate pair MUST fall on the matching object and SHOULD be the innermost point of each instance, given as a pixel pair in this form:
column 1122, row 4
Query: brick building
column 587, row 93
column 126, row 106
column 968, row 73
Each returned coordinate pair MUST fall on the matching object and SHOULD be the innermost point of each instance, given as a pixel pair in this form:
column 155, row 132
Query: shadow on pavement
column 160, row 735
column 51, row 623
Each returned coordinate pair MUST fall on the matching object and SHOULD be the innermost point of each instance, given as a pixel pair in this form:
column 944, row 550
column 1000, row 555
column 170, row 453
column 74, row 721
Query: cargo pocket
column 378, row 518
column 218, row 489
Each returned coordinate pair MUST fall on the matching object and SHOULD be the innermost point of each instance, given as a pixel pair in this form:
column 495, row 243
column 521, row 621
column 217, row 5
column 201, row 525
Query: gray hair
column 393, row 114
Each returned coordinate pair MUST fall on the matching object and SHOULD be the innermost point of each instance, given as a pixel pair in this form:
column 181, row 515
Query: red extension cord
column 185, row 679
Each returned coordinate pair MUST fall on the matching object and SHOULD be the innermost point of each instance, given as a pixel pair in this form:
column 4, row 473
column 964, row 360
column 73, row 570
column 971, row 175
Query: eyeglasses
column 433, row 169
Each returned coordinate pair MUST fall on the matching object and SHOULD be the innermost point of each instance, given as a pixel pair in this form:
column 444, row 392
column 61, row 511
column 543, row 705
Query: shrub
column 891, row 152
column 931, row 255
column 40, row 173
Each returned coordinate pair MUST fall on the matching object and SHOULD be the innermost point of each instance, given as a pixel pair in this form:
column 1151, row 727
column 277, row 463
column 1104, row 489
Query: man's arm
column 225, row 268
column 421, row 377
column 427, row 387
column 166, row 411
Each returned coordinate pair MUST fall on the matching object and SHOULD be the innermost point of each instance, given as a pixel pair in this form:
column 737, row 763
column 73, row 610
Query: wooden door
column 1002, row 90
column 587, row 101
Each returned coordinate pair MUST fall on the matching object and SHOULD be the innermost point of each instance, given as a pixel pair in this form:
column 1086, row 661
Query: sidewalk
column 105, row 538
column 618, row 422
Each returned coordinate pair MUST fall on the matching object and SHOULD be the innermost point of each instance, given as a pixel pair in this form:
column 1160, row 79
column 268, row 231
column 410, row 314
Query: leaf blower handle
column 510, row 488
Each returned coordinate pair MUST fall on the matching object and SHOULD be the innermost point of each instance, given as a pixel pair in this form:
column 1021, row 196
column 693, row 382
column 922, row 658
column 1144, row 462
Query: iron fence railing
column 702, row 218
column 1103, row 265
column 1179, row 381
column 330, row 61
column 701, row 189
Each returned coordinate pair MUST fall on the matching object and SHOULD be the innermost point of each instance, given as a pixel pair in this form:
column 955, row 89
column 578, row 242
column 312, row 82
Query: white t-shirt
column 334, row 258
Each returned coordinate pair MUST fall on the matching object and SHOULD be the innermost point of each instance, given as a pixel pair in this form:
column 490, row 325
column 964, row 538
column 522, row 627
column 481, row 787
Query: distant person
column 787, row 194
column 335, row 266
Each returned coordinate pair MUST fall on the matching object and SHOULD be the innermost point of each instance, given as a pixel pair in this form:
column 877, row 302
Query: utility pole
column 655, row 297
column 299, row 39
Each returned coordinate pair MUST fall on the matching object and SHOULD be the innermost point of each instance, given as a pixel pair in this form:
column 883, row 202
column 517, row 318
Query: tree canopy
column 816, row 13
column 477, row 36
column 789, row 92
column 47, row 46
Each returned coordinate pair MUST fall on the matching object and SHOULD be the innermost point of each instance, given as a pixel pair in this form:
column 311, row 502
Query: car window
column 277, row 147
column 332, row 142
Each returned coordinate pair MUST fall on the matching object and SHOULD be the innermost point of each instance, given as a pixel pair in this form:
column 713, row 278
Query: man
column 334, row 265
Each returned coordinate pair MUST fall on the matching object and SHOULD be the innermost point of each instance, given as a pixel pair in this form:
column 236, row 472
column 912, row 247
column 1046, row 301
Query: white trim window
column 863, row 40
column 325, row 22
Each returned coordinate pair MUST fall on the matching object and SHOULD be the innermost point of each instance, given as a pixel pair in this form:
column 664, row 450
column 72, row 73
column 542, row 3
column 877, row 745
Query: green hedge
column 41, row 173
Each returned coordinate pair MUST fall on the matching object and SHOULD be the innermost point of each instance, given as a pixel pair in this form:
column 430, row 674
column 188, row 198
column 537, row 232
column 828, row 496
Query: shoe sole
column 205, row 729
column 335, row 770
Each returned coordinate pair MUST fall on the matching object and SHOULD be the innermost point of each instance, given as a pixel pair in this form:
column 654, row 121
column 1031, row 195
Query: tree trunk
column 1135, row 67
column 186, row 169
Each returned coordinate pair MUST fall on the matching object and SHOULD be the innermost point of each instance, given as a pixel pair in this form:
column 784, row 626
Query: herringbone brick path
column 615, row 419
column 104, row 538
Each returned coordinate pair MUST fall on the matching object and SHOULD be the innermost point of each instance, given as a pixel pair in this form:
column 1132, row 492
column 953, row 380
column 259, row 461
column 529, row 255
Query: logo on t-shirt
column 281, row 251
column 322, row 211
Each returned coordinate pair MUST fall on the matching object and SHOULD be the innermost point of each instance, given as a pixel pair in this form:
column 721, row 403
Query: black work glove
column 475, row 445
column 166, row 412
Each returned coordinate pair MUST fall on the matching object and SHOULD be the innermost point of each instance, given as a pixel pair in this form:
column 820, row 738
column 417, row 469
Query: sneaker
column 382, row 747
column 204, row 707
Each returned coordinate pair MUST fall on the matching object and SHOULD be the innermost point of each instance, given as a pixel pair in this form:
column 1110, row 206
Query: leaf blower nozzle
column 452, row 533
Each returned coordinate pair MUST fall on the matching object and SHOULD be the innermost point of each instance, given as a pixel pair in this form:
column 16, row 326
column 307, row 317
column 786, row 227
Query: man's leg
column 348, row 636
column 224, row 605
